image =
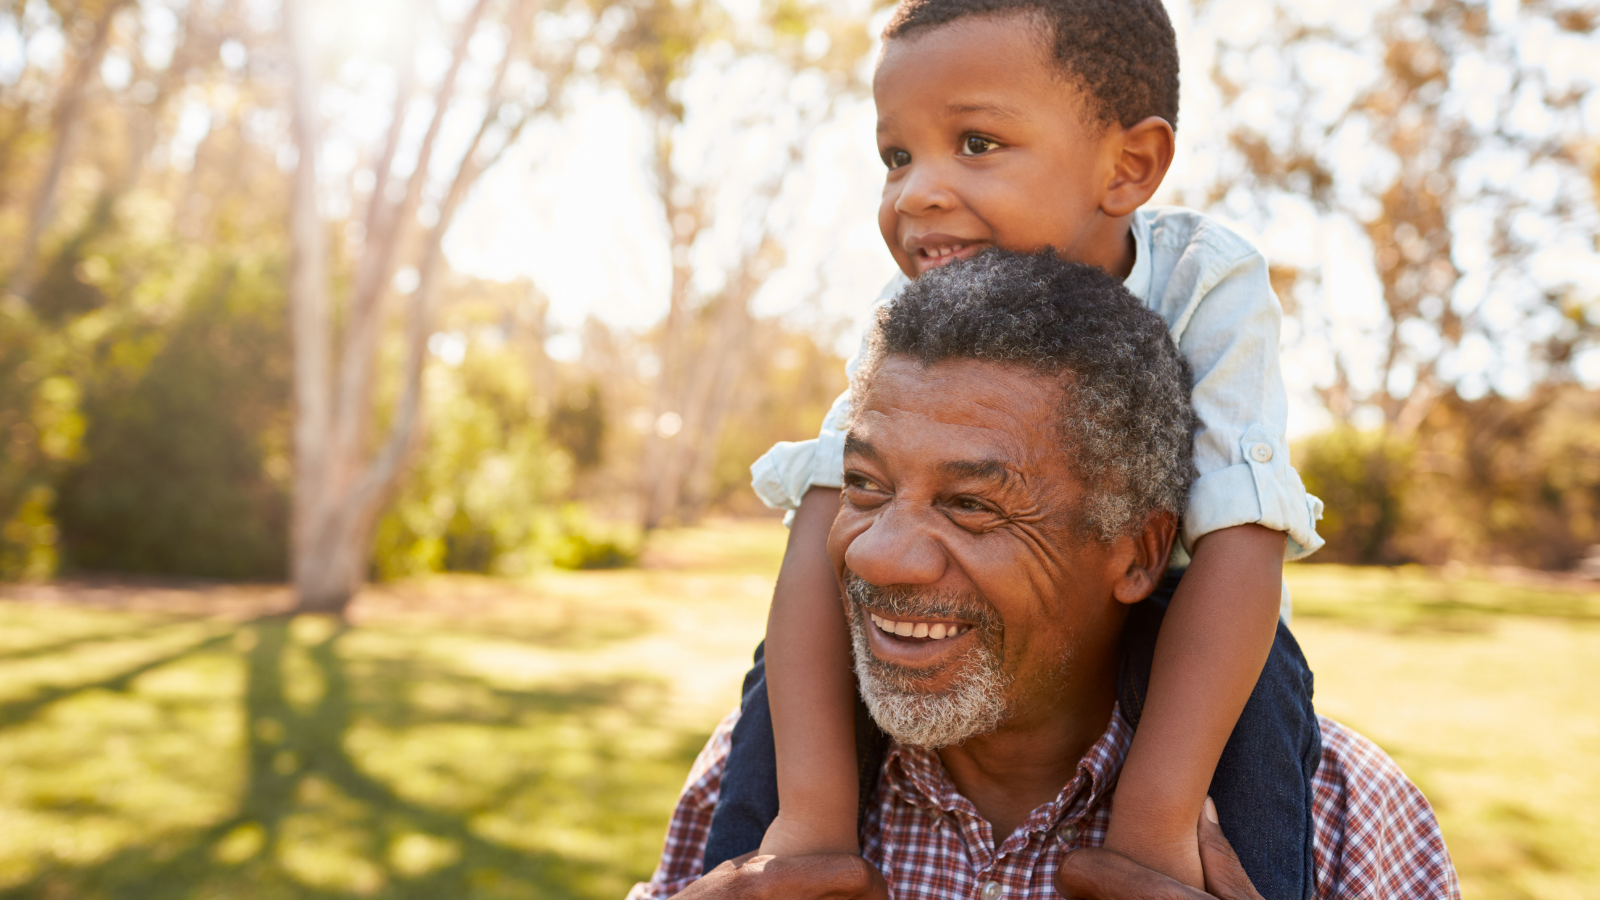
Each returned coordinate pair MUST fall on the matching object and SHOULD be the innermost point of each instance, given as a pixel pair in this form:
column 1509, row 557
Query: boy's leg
column 1262, row 786
column 748, row 800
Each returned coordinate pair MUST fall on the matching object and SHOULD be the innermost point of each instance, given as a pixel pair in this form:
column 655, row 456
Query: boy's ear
column 1143, row 559
column 1145, row 151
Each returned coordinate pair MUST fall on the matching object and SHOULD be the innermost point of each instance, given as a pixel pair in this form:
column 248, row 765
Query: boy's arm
column 1213, row 644
column 811, row 692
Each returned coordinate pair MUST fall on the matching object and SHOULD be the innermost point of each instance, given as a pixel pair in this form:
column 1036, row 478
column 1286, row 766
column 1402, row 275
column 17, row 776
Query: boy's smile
column 988, row 144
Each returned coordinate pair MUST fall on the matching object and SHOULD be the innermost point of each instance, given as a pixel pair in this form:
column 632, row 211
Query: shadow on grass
column 37, row 651
column 18, row 712
column 311, row 822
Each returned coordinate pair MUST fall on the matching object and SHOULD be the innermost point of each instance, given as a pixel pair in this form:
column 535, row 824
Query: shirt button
column 991, row 890
column 1067, row 834
column 1261, row 452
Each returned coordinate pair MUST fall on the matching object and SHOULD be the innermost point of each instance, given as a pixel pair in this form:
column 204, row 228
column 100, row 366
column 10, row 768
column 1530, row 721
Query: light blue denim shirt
column 1211, row 286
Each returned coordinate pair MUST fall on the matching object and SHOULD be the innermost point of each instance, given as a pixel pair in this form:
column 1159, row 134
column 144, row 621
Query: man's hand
column 1098, row 874
column 822, row 876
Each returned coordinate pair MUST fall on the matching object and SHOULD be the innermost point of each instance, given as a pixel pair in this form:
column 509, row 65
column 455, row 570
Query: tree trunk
column 69, row 112
column 319, row 581
column 339, row 492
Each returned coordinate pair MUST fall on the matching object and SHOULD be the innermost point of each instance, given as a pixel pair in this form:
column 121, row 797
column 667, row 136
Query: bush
column 475, row 497
column 40, row 432
column 1362, row 478
column 184, row 466
column 577, row 543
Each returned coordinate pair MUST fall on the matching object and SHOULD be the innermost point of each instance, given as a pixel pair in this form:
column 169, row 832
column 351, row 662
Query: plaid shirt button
column 1067, row 834
column 991, row 890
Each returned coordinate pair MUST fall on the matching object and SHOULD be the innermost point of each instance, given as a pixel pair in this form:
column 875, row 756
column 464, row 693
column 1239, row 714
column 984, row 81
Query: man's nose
column 898, row 548
column 924, row 188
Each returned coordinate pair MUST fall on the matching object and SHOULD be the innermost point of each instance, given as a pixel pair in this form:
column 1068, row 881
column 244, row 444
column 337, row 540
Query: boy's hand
column 1099, row 874
column 794, row 836
column 824, row 876
column 1173, row 852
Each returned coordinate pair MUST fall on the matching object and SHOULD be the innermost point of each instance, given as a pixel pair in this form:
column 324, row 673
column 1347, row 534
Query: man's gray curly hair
column 1126, row 418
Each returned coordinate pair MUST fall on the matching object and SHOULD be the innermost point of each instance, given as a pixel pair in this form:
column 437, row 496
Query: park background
column 379, row 381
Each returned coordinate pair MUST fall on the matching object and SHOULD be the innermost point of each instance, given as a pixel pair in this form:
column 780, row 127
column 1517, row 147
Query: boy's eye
column 973, row 145
column 894, row 159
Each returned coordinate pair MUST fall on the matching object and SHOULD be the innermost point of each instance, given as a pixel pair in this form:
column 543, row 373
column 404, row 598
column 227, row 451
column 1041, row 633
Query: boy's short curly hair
column 1126, row 418
column 1123, row 53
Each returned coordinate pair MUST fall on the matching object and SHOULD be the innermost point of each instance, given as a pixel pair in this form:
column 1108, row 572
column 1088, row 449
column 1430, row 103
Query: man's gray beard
column 975, row 702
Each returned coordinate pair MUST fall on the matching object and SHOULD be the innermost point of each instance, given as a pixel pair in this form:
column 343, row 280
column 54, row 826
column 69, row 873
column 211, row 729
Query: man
column 1013, row 478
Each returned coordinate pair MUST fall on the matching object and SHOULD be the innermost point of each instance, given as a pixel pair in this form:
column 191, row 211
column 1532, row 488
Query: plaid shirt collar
column 919, row 778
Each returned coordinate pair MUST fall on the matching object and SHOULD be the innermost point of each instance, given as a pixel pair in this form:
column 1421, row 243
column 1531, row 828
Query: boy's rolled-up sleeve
column 1241, row 447
column 783, row 474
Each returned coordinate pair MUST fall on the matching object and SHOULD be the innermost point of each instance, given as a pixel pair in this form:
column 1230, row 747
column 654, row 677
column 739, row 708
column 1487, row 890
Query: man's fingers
column 1099, row 874
column 1225, row 876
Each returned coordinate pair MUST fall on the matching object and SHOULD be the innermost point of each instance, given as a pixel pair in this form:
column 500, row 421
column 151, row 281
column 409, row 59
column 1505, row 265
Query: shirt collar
column 1138, row 280
column 919, row 777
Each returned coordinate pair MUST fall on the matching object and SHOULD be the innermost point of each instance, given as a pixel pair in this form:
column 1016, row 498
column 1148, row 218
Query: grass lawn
column 468, row 737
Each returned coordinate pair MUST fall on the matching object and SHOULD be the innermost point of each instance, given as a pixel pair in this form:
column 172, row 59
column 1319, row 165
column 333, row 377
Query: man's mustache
column 915, row 602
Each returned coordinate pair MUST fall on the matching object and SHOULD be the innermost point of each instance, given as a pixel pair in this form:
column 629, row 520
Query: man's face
column 987, row 146
column 958, row 519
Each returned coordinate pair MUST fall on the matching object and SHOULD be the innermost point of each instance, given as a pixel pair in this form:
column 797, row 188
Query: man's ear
column 1144, row 558
column 1145, row 151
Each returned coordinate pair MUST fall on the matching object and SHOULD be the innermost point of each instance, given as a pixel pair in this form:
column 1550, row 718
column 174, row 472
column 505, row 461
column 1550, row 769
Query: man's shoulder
column 1180, row 229
column 1376, row 834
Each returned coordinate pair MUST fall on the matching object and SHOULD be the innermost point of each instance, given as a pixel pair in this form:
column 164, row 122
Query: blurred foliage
column 39, row 431
column 184, row 467
column 1490, row 481
column 1361, row 478
column 578, row 425
column 792, row 382
column 144, row 373
column 1452, row 143
column 472, row 500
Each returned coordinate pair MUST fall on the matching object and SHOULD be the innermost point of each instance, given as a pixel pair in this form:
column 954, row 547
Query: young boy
column 1024, row 124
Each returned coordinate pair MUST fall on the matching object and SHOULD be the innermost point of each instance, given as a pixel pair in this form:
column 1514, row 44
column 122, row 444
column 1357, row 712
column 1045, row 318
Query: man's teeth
column 937, row 631
column 940, row 252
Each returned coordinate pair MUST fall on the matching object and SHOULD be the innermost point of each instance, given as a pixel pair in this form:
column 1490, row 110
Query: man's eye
column 974, row 145
column 861, row 483
column 894, row 159
column 970, row 504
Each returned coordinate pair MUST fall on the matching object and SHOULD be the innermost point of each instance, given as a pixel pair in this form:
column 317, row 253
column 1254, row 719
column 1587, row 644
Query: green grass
column 468, row 737
column 1486, row 694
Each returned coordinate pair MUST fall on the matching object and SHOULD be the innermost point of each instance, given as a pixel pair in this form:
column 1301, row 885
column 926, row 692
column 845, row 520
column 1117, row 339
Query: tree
column 66, row 122
column 773, row 80
column 341, row 479
column 1451, row 140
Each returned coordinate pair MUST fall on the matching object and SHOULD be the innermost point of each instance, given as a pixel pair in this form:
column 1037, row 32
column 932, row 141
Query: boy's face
column 988, row 145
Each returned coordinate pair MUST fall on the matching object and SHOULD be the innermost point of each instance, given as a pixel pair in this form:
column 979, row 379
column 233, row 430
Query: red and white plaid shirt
column 1375, row 835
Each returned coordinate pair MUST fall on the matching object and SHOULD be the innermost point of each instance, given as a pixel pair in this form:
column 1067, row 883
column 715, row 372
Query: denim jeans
column 1262, row 786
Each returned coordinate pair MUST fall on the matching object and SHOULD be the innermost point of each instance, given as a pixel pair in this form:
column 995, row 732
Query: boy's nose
column 924, row 188
column 898, row 548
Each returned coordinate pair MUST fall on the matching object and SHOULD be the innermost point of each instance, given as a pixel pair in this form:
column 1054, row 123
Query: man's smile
column 938, row 631
column 894, row 639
